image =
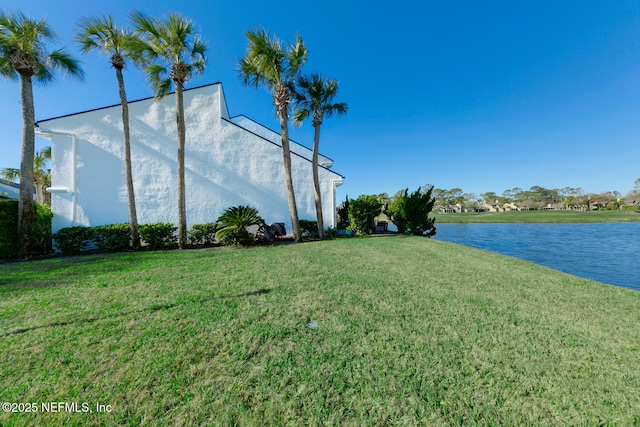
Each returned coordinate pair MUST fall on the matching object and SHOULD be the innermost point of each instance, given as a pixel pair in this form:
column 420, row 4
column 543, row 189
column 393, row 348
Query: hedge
column 41, row 235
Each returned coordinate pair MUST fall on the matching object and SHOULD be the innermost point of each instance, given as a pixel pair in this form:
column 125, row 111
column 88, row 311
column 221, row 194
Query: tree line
column 535, row 196
column 169, row 51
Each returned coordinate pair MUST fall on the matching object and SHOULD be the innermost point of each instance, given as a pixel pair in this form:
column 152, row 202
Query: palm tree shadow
column 151, row 309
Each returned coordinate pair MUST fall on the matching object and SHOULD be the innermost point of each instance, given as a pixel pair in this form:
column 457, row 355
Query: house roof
column 9, row 183
column 236, row 119
column 118, row 104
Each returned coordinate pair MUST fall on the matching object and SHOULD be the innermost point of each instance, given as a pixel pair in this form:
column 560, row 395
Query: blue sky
column 484, row 96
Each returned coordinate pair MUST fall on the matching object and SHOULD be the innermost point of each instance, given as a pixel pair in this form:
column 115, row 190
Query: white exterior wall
column 225, row 166
column 275, row 137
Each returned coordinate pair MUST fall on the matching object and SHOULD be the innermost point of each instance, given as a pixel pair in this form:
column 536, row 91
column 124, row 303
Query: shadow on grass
column 150, row 309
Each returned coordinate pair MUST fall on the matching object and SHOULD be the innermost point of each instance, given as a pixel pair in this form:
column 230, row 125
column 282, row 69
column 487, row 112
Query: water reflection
column 606, row 252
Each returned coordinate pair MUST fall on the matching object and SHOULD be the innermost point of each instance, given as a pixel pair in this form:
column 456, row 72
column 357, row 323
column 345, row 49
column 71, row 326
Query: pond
column 605, row 252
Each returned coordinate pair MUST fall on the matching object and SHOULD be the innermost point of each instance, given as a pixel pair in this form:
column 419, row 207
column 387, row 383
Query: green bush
column 410, row 212
column 114, row 237
column 362, row 211
column 331, row 232
column 233, row 224
column 159, row 235
column 8, row 228
column 41, row 234
column 203, row 234
column 72, row 240
column 309, row 226
column 41, row 237
column 343, row 215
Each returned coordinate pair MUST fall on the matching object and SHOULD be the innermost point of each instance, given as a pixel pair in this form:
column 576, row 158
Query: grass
column 411, row 331
column 559, row 216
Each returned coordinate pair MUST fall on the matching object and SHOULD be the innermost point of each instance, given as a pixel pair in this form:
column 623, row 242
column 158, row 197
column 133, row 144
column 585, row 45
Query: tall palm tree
column 24, row 55
column 314, row 97
column 41, row 174
column 170, row 51
column 271, row 64
column 102, row 35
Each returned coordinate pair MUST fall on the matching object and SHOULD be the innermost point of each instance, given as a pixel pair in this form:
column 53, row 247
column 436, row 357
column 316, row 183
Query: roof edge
column 278, row 145
column 278, row 133
column 128, row 102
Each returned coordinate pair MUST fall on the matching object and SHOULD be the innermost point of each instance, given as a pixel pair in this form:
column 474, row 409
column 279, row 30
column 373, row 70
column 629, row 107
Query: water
column 605, row 252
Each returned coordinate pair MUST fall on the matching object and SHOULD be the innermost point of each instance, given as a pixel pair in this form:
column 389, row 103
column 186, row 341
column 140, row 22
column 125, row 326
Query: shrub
column 114, row 237
column 331, row 232
column 41, row 233
column 72, row 240
column 159, row 235
column 204, row 234
column 41, row 236
column 411, row 212
column 8, row 228
column 343, row 215
column 233, row 224
column 309, row 226
column 362, row 211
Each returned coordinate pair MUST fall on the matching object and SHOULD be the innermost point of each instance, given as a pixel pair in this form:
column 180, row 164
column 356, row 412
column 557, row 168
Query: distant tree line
column 536, row 197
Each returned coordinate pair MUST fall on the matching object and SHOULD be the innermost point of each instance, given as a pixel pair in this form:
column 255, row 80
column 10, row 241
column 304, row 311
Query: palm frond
column 337, row 109
column 314, row 95
column 62, row 61
column 10, row 173
column 297, row 56
column 300, row 115
column 23, row 44
column 158, row 77
column 6, row 68
column 267, row 62
column 162, row 44
column 101, row 34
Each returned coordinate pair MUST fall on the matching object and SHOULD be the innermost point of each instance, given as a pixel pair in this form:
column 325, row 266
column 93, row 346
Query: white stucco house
column 229, row 161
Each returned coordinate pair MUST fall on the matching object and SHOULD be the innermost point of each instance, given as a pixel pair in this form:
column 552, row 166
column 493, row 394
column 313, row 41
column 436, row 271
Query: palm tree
column 101, row 34
column 24, row 55
column 233, row 224
column 41, row 174
column 270, row 64
column 170, row 51
column 314, row 97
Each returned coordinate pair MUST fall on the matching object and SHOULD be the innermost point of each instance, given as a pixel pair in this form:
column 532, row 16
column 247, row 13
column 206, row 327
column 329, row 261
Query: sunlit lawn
column 411, row 331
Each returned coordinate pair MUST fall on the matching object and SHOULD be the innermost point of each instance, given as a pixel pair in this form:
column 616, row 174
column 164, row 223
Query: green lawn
column 411, row 331
column 539, row 217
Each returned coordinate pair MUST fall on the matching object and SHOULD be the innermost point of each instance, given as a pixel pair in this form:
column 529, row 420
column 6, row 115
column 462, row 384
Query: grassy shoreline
column 542, row 217
column 410, row 331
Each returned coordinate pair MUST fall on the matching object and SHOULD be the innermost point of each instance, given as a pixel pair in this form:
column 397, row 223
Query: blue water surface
column 605, row 252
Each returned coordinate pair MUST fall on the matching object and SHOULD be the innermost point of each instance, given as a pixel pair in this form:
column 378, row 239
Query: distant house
column 491, row 207
column 446, row 209
column 552, row 207
column 229, row 161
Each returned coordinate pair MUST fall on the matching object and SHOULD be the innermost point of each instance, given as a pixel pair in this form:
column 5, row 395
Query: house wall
column 275, row 137
column 225, row 166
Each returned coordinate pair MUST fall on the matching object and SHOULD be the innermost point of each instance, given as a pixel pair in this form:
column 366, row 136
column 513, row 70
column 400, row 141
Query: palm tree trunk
column 286, row 158
column 131, row 198
column 182, row 207
column 25, row 203
column 40, row 193
column 316, row 182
